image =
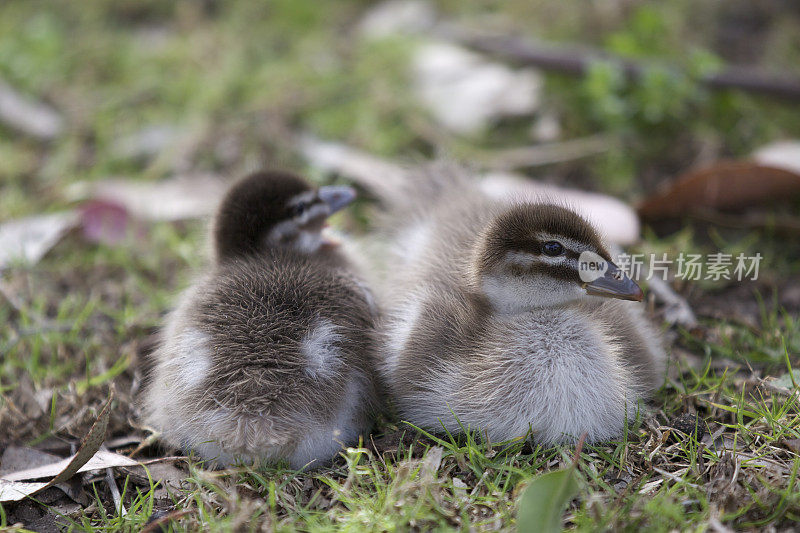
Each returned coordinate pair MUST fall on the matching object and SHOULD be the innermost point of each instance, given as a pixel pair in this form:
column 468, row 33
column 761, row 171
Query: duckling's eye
column 299, row 208
column 552, row 248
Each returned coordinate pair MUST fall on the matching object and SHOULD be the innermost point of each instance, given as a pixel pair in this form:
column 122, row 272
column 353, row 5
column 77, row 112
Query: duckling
column 270, row 355
column 489, row 324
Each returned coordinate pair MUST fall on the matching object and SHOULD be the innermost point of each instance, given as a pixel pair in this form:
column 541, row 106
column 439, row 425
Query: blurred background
column 143, row 110
column 150, row 89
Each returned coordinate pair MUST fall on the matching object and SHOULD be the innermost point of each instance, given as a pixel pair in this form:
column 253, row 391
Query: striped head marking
column 532, row 256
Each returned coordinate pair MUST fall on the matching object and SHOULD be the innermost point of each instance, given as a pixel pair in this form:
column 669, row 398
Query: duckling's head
column 272, row 209
column 538, row 255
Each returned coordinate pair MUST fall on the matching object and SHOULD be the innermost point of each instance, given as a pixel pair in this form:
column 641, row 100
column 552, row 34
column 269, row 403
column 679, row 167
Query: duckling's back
column 267, row 357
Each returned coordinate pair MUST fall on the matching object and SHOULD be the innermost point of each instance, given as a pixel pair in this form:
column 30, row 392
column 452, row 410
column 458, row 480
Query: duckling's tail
column 399, row 188
column 407, row 192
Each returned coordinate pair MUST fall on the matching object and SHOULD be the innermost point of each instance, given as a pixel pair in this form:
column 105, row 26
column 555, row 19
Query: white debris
column 32, row 118
column 147, row 142
column 676, row 309
column 180, row 198
column 29, row 239
column 397, row 17
column 546, row 128
column 782, row 154
column 100, row 460
column 465, row 92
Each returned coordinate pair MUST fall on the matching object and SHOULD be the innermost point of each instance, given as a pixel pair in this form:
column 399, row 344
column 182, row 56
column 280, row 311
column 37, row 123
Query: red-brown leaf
column 725, row 185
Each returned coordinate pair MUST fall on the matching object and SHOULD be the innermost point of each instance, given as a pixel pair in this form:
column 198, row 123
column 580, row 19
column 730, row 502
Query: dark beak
column 615, row 284
column 336, row 197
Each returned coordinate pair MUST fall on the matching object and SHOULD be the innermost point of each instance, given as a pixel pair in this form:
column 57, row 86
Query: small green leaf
column 542, row 504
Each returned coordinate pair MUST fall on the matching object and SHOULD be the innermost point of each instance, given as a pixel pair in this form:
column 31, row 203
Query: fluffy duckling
column 270, row 355
column 490, row 325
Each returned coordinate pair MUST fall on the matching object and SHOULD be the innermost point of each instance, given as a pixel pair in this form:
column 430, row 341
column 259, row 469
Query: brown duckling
column 491, row 326
column 270, row 355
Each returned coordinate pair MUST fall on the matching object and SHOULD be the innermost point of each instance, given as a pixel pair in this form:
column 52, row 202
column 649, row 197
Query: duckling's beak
column 615, row 283
column 336, row 197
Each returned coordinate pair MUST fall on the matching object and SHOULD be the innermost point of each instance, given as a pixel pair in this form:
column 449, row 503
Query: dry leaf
column 167, row 474
column 179, row 198
column 99, row 461
column 11, row 485
column 724, row 185
column 32, row 118
column 12, row 491
column 430, row 464
column 16, row 458
column 29, row 239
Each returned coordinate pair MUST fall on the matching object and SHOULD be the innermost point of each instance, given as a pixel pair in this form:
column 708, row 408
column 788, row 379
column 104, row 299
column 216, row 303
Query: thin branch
column 576, row 62
column 544, row 154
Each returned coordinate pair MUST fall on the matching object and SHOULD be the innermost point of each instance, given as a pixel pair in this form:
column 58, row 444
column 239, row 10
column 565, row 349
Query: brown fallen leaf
column 14, row 486
column 18, row 458
column 724, row 185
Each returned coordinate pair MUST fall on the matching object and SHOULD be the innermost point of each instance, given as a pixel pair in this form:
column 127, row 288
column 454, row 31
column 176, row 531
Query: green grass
column 240, row 78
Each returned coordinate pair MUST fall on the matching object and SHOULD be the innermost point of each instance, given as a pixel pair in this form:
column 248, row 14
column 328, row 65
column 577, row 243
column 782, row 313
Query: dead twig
column 578, row 62
column 112, row 485
column 544, row 154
